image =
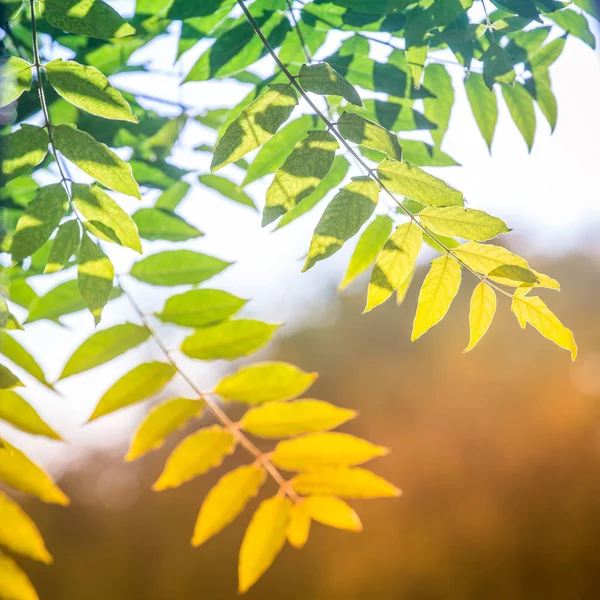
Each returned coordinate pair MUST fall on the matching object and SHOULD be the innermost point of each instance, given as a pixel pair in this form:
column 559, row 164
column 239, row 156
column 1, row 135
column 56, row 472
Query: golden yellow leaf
column 227, row 500
column 14, row 584
column 333, row 512
column 299, row 525
column 437, row 293
column 481, row 313
column 404, row 287
column 263, row 540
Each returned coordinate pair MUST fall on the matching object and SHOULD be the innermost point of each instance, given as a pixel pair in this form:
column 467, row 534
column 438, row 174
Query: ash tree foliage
column 329, row 124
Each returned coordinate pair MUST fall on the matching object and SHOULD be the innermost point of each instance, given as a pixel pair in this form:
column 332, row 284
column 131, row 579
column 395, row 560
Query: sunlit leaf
column 14, row 584
column 8, row 380
column 226, row 188
column 298, row 526
column 170, row 198
column 11, row 349
column 362, row 131
column 162, row 224
column 15, row 78
column 481, row 313
column 22, row 150
column 575, row 24
column 520, row 105
column 17, row 412
column 484, row 105
column 439, row 106
column 64, row 246
column 332, row 512
column 321, row 78
column 466, row 223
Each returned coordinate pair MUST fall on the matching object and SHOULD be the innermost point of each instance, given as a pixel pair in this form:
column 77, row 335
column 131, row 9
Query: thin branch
column 299, row 32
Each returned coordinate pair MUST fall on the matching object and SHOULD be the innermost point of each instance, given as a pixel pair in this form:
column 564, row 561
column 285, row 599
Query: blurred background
column 497, row 451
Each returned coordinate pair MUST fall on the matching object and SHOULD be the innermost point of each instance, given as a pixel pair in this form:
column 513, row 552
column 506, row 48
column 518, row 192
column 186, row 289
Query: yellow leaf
column 320, row 450
column 19, row 533
column 394, row 263
column 195, row 455
column 437, row 293
column 534, row 311
column 227, row 500
column 481, row 313
column 263, row 540
column 333, row 512
column 299, row 526
column 277, row 420
column 404, row 287
column 347, row 483
column 163, row 420
column 14, row 584
column 18, row 472
column 17, row 412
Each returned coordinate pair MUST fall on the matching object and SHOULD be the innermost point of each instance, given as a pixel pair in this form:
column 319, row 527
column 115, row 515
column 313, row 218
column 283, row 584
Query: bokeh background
column 497, row 451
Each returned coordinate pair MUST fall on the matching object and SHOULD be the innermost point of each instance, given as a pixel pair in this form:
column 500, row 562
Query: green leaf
column 22, row 150
column 15, row 78
column 394, row 115
column 177, row 267
column 196, row 455
column 88, row 89
column 520, row 105
column 161, row 224
column 425, row 155
column 162, row 421
column 484, row 105
column 226, row 501
column 349, row 210
column 8, row 379
column 540, row 88
column 333, row 512
column 331, row 180
column 199, row 308
column 274, row 152
column 409, row 180
column 416, row 57
column 321, row 78
column 11, row 349
column 321, row 450
column 394, row 263
column 91, row 18
column 95, row 274
column 40, row 219
column 226, row 188
column 265, row 382
column 19, row 473
column 17, row 412
column 256, row 124
column 462, row 222
column 278, row 420
column 300, row 174
column 170, row 198
column 64, row 246
column 95, row 159
column 140, row 383
column 369, row 246
column 19, row 534
column 481, row 313
column 589, row 6
column 347, row 483
column 362, row 131
column 439, row 106
column 229, row 340
column 102, row 346
column 497, row 66
column 546, row 55
column 14, row 584
column 263, row 540
column 106, row 219
column 575, row 24
column 437, row 293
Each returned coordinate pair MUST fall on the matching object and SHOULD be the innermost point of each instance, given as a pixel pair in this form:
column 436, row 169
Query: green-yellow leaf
column 462, row 222
column 320, row 78
column 170, row 198
column 403, row 288
column 18, row 413
column 278, row 420
column 161, row 422
column 88, row 89
column 533, row 310
column 161, row 224
column 409, row 180
column 439, row 106
column 333, row 512
column 263, row 540
column 226, row 188
column 394, row 263
column 481, row 313
column 199, row 308
column 103, row 346
column 64, row 246
column 11, row 349
column 14, row 584
column 229, row 340
column 19, row 533
column 19, row 473
column 321, row 450
column 257, row 123
column 177, row 267
column 95, row 274
column 226, row 500
column 8, row 380
column 40, row 219
column 347, row 483
column 520, row 105
column 95, row 159
column 140, row 383
column 15, row 78
column 22, row 150
column 437, row 293
column 265, row 382
column 298, row 526
column 484, row 105
column 195, row 455
column 349, row 210
column 366, row 133
column 300, row 174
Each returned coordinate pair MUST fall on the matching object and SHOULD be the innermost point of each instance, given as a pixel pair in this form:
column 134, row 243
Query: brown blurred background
column 497, row 452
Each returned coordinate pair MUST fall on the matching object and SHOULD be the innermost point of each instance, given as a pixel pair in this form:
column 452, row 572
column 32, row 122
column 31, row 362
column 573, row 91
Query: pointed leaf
column 332, row 512
column 10, row 348
column 161, row 224
column 575, row 24
column 481, row 313
column 439, row 106
column 298, row 526
column 362, row 131
column 520, row 105
column 484, row 105
column 322, row 79
column 14, row 584
column 497, row 66
column 64, row 246
column 403, row 288
column 226, row 188
column 22, row 150
column 17, row 412
column 462, row 222
column 15, row 78
column 170, row 198
column 8, row 380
